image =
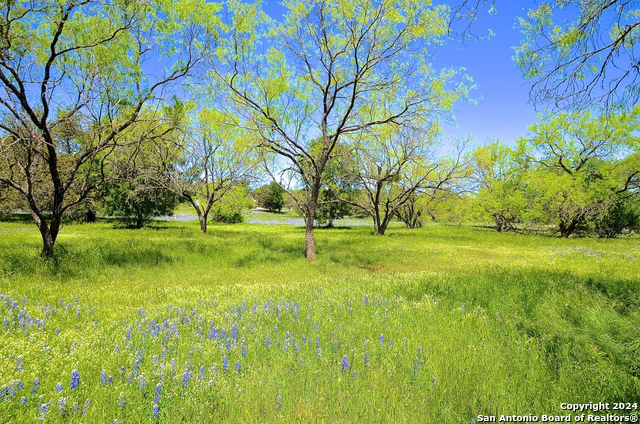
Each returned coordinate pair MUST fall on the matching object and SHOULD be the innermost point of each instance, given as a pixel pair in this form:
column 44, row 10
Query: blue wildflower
column 87, row 404
column 23, row 401
column 62, row 405
column 58, row 387
column 34, row 388
column 19, row 363
column 156, row 398
column 381, row 339
column 244, row 350
column 234, row 331
column 354, row 373
column 345, row 363
column 238, row 365
column 122, row 401
column 185, row 378
column 225, row 364
column 142, row 382
column 44, row 408
column 366, row 357
column 202, row 373
column 462, row 307
column 122, row 370
column 156, row 411
column 416, row 366
column 75, row 379
column 103, row 377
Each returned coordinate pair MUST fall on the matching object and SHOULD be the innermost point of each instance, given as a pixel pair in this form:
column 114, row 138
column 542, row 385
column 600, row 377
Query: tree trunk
column 309, row 218
column 139, row 220
column 203, row 222
column 48, row 241
column 567, row 230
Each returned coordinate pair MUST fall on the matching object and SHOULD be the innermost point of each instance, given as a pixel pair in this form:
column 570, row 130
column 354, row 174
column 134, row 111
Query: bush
column 227, row 217
column 623, row 215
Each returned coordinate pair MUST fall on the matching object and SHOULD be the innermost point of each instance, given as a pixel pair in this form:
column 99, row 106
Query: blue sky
column 502, row 110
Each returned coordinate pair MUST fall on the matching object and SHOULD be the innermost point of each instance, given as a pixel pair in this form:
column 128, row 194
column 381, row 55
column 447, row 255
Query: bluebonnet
column 244, row 350
column 87, row 404
column 238, row 365
column 116, row 349
column 366, row 357
column 62, row 405
column 225, row 364
column 268, row 342
column 122, row 401
column 36, row 384
column 58, row 387
column 103, row 377
column 345, row 363
column 234, row 331
column 142, row 382
column 19, row 363
column 75, row 379
column 19, row 385
column 462, row 307
column 23, row 401
column 416, row 365
column 185, row 378
column 354, row 374
column 156, row 398
column 156, row 411
column 202, row 372
column 122, row 371
column 44, row 408
column 381, row 339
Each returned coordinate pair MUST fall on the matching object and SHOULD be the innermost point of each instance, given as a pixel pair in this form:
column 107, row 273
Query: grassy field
column 437, row 325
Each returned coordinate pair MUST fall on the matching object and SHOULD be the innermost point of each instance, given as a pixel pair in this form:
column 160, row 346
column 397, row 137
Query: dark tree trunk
column 90, row 216
column 567, row 230
column 139, row 220
column 203, row 222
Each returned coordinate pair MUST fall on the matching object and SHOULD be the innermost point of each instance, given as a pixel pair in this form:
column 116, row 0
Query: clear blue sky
column 502, row 110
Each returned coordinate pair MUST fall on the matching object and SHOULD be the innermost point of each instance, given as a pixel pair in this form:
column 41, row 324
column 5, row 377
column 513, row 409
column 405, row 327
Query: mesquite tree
column 331, row 69
column 89, row 62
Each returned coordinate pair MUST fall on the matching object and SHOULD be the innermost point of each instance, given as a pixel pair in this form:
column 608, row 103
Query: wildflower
column 116, row 349
column 234, row 331
column 345, row 363
column 58, row 387
column 416, row 366
column 34, row 388
column 202, row 373
column 44, row 408
column 354, row 373
column 244, row 351
column 19, row 385
column 122, row 371
column 225, row 364
column 238, row 365
column 185, row 378
column 103, row 377
column 19, row 363
column 156, row 398
column 122, row 401
column 75, row 379
column 278, row 402
column 156, row 411
column 462, row 307
column 87, row 404
column 366, row 357
column 62, row 404
column 142, row 382
column 381, row 339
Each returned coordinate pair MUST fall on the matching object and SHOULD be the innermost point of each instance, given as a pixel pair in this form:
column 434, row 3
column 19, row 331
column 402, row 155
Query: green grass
column 481, row 323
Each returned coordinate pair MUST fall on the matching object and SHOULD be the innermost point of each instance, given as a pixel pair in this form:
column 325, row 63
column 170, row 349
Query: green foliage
column 624, row 215
column 270, row 197
column 231, row 206
column 581, row 53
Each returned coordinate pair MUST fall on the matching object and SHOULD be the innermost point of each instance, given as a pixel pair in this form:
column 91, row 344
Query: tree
column 332, row 68
column 584, row 164
column 84, row 61
column 270, row 197
column 392, row 166
column 211, row 157
column 589, row 58
column 500, row 180
column 132, row 191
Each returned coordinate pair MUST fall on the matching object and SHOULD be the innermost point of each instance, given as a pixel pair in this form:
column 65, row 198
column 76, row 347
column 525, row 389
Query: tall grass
column 436, row 325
